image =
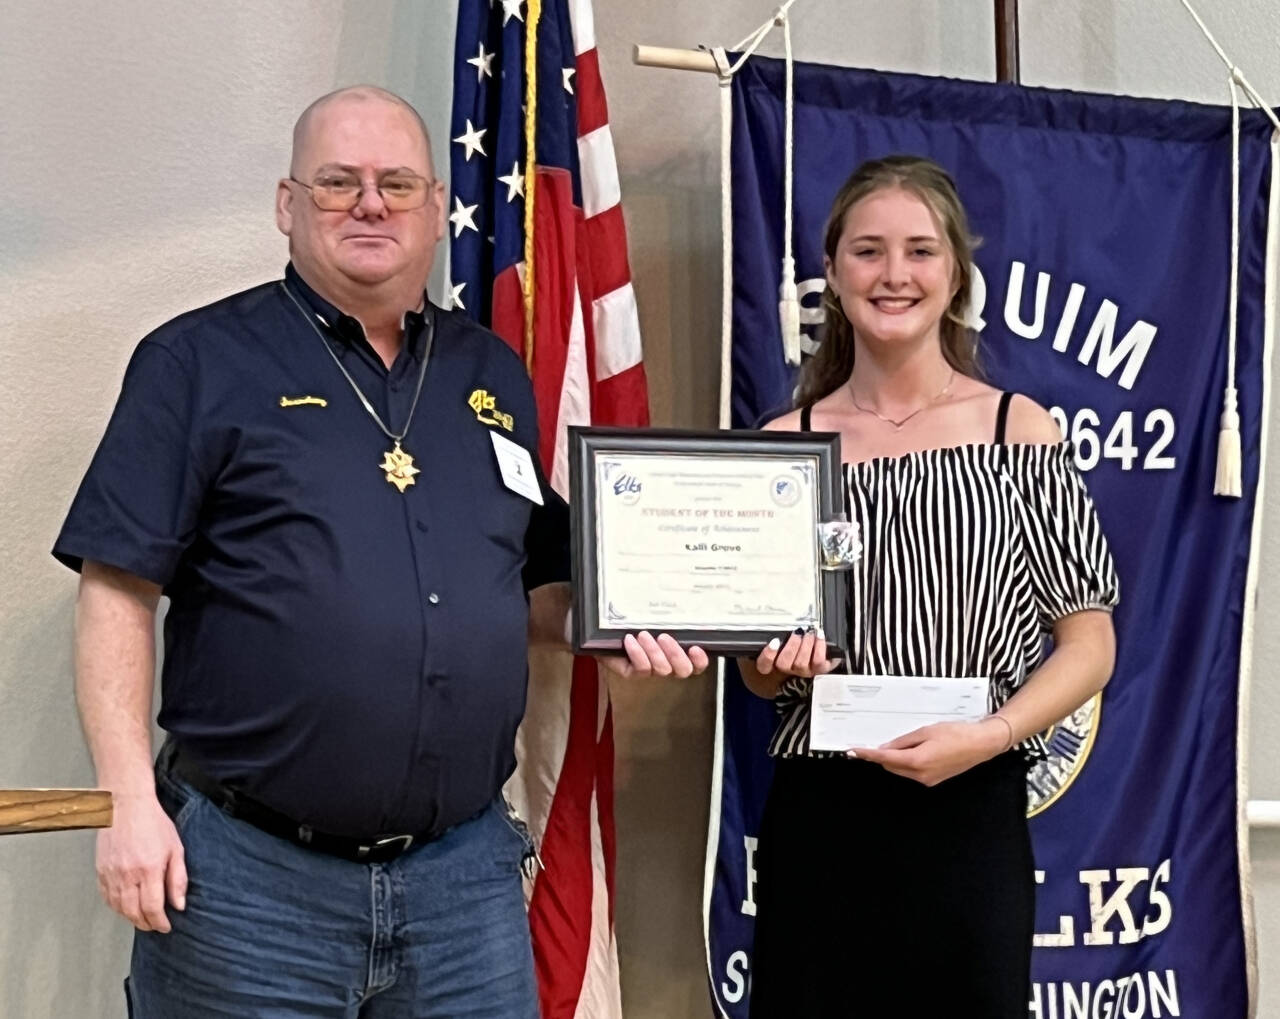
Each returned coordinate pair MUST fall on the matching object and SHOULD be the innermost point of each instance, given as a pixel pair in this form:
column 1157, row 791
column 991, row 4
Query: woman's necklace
column 897, row 425
column 396, row 462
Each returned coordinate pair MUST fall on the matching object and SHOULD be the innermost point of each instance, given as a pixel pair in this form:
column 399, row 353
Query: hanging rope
column 788, row 297
column 1228, row 478
column 1236, row 74
column 726, row 248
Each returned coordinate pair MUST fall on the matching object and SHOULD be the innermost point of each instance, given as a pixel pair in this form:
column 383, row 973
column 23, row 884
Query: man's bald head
column 302, row 130
column 363, row 138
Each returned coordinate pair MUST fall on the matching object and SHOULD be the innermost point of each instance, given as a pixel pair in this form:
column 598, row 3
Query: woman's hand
column 941, row 751
column 804, row 654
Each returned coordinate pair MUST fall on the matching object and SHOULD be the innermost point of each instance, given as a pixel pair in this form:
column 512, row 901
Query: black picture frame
column 591, row 634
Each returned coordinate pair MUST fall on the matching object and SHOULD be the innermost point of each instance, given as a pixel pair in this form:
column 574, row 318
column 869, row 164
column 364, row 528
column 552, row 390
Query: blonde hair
column 832, row 365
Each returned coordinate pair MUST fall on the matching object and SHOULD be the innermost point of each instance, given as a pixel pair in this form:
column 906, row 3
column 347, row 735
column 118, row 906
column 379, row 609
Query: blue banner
column 1102, row 294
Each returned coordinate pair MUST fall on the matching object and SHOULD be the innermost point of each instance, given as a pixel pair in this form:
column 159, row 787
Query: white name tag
column 516, row 466
column 869, row 711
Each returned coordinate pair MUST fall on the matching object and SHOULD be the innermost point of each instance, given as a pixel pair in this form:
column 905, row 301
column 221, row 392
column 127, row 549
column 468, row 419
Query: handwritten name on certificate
column 869, row 711
column 705, row 541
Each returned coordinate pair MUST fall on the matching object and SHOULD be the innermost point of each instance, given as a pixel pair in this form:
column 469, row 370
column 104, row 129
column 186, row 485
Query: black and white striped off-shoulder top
column 969, row 555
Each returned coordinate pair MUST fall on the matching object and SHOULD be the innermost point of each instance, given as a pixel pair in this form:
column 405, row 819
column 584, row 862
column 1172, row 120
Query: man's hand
column 938, row 752
column 647, row 655
column 140, row 863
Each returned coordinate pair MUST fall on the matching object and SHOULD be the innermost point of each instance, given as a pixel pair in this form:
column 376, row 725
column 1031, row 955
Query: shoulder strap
column 1002, row 416
column 806, row 413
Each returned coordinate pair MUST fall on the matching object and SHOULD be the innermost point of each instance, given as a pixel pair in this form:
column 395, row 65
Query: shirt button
column 433, row 598
column 422, row 525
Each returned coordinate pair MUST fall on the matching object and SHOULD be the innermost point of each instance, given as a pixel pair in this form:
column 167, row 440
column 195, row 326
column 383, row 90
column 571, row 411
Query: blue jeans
column 274, row 930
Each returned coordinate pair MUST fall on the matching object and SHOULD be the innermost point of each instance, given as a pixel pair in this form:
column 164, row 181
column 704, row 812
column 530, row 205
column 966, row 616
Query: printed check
column 869, row 711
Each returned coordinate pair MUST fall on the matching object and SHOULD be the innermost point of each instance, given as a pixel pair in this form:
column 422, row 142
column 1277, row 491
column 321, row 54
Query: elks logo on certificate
column 868, row 711
column 517, row 468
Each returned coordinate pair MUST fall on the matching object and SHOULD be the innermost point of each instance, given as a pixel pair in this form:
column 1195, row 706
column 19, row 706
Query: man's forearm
column 115, row 673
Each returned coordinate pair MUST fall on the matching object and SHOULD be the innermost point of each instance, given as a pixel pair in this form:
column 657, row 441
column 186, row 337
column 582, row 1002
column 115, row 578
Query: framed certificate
column 712, row 537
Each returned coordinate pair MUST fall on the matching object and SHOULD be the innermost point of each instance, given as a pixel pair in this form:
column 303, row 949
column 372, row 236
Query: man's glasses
column 340, row 192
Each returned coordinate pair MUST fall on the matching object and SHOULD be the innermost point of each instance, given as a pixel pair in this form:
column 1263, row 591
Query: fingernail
column 851, row 753
column 774, row 644
column 821, row 635
column 182, row 902
column 799, row 630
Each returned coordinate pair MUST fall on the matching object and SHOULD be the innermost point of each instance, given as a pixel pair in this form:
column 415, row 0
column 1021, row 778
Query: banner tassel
column 789, row 312
column 1227, row 480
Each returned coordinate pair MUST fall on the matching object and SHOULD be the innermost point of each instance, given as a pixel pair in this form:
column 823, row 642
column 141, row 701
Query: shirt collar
column 346, row 329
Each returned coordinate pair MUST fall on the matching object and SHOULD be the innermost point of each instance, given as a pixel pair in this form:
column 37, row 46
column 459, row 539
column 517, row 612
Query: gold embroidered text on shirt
column 302, row 401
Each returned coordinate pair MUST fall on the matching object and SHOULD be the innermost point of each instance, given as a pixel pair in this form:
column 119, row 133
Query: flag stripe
column 625, row 399
column 615, row 316
column 585, row 363
column 560, row 909
column 593, row 111
column 600, row 187
column 606, row 243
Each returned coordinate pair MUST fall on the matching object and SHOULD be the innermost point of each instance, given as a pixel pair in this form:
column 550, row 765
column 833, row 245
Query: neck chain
column 396, row 462
column 897, row 425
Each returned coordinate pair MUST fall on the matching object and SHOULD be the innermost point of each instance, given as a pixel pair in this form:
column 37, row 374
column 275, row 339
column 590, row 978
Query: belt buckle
column 397, row 842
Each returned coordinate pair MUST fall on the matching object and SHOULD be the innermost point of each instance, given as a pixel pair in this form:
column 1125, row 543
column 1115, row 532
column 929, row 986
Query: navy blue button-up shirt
column 351, row 655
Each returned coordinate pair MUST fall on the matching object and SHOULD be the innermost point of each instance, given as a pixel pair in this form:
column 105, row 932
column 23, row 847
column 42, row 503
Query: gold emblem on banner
column 1070, row 742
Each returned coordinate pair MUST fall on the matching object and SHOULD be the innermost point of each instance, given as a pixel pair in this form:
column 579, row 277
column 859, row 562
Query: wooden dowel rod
column 1007, row 42
column 27, row 810
column 676, row 60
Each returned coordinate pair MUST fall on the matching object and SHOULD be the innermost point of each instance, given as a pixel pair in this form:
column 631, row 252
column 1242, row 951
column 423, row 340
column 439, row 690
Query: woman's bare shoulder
column 788, row 422
column 1031, row 423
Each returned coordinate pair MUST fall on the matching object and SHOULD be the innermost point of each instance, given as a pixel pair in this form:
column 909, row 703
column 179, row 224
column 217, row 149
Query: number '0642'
column 1146, row 448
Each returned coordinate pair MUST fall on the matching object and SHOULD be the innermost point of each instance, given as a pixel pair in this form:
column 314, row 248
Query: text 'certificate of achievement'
column 711, row 537
column 869, row 711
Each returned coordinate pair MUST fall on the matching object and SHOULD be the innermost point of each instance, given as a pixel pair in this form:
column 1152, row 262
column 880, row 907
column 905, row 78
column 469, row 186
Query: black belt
column 236, row 804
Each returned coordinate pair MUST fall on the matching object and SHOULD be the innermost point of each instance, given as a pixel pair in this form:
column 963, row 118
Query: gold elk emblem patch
column 486, row 409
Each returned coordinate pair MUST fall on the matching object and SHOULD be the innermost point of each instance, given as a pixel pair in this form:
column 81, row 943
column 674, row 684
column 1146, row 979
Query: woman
column 901, row 882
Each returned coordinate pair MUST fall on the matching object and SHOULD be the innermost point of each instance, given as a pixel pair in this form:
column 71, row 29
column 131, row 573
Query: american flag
column 561, row 295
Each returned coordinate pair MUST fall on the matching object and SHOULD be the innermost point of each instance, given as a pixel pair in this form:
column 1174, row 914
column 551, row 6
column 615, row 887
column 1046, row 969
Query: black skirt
column 877, row 896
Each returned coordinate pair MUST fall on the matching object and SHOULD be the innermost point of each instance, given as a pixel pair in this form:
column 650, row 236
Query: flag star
column 568, row 73
column 460, row 217
column 471, row 139
column 455, row 296
column 514, row 182
column 511, row 9
column 483, row 63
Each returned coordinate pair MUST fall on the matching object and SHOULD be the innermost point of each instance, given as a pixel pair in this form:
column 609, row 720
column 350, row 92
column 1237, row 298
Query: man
column 333, row 482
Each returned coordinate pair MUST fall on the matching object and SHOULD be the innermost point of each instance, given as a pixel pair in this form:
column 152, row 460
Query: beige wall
column 138, row 146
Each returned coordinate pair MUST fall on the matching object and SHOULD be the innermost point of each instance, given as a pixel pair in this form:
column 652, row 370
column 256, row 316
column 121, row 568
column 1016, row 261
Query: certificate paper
column 707, row 541
column 869, row 711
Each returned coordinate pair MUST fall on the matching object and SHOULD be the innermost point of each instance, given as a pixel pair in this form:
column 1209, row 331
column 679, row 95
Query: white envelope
column 868, row 711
